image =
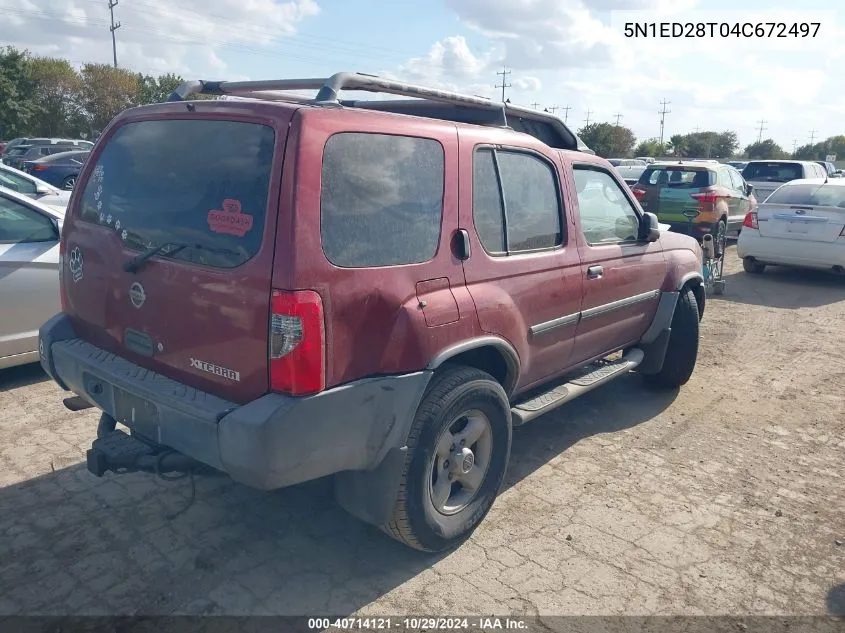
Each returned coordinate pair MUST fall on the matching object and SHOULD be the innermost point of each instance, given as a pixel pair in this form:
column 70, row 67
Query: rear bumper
column 271, row 442
column 790, row 252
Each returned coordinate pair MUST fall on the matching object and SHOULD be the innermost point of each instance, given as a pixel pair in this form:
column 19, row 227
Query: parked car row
column 20, row 150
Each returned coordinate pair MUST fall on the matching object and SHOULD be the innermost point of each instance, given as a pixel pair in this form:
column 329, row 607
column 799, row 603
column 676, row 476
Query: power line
column 812, row 136
column 762, row 128
column 566, row 113
column 535, row 105
column 587, row 120
column 663, row 112
column 504, row 73
column 113, row 27
column 552, row 109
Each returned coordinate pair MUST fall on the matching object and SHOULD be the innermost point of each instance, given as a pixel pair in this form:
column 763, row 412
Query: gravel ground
column 723, row 498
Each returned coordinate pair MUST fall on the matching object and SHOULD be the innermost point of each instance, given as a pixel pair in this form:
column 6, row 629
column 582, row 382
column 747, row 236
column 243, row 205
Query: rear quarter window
column 381, row 200
column 204, row 182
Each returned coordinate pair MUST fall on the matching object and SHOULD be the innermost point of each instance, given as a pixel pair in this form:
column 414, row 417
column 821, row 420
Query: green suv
column 696, row 198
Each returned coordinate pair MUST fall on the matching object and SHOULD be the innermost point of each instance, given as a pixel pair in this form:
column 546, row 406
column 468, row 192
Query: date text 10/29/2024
column 419, row 624
column 776, row 30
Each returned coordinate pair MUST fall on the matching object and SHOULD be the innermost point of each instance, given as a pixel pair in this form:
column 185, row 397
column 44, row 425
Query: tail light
column 706, row 196
column 37, row 167
column 639, row 194
column 62, row 291
column 297, row 343
column 750, row 221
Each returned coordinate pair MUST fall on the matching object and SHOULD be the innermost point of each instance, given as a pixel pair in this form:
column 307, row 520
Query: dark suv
column 376, row 290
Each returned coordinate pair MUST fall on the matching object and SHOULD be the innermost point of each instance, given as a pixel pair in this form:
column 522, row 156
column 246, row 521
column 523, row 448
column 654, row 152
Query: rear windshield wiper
column 135, row 264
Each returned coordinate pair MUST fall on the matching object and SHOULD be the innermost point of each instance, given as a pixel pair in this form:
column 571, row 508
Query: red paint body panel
column 374, row 323
column 514, row 293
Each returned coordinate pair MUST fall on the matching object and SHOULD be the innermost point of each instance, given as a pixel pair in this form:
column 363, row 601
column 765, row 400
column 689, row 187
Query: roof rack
column 423, row 101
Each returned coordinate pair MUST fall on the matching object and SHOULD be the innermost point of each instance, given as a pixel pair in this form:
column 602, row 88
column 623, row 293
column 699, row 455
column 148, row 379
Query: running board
column 575, row 385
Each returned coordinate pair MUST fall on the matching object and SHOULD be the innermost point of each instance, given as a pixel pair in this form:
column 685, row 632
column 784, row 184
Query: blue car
column 60, row 170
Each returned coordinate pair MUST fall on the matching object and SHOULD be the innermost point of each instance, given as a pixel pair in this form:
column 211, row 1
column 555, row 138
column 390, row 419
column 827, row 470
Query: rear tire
column 69, row 183
column 682, row 352
column 454, row 392
column 753, row 267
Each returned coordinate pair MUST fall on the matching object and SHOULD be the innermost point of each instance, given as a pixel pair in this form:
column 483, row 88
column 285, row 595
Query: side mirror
column 42, row 189
column 649, row 228
column 749, row 189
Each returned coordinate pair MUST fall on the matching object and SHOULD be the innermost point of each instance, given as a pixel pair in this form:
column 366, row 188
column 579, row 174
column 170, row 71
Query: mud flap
column 655, row 353
column 371, row 495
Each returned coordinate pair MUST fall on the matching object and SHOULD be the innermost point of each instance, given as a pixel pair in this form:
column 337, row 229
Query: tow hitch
column 121, row 453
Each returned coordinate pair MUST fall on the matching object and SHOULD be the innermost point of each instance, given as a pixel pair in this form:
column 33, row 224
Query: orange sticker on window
column 230, row 220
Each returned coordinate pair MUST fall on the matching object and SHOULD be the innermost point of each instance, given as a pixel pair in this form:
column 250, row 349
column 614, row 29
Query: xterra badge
column 215, row 369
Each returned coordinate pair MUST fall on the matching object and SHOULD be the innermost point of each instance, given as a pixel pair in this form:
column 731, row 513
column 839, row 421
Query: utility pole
column 587, row 120
column 552, row 109
column 535, row 105
column 618, row 116
column 114, row 26
column 504, row 73
column 812, row 136
column 697, row 129
column 566, row 113
column 794, row 145
column 760, row 132
column 663, row 112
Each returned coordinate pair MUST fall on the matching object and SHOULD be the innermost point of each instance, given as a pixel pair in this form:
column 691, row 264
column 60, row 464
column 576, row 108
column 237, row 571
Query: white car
column 801, row 224
column 29, row 274
column 30, row 186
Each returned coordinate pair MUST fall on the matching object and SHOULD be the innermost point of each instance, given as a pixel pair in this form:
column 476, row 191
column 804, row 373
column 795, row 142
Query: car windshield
column 810, row 195
column 772, row 172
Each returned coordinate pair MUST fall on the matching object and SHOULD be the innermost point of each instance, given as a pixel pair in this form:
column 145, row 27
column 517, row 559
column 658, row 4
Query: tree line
column 46, row 96
column 617, row 141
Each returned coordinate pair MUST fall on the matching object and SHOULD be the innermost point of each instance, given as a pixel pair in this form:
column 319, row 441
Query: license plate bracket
column 137, row 413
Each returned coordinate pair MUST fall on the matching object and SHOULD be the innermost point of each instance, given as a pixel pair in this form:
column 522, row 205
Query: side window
column 381, row 199
column 519, row 191
column 487, row 211
column 739, row 183
column 18, row 224
column 19, row 183
column 607, row 216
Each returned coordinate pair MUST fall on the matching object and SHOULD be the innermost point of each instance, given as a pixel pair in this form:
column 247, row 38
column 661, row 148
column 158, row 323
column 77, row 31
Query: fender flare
column 501, row 345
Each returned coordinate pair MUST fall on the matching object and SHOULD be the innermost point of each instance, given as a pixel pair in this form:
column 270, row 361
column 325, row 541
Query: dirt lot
column 727, row 497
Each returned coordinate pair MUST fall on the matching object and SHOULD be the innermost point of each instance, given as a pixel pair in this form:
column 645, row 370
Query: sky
column 558, row 53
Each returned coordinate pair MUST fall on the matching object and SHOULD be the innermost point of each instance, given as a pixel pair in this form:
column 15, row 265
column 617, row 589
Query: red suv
column 285, row 288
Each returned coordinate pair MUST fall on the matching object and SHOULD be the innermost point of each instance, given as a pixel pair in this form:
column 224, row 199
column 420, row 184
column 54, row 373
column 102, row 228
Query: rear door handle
column 594, row 272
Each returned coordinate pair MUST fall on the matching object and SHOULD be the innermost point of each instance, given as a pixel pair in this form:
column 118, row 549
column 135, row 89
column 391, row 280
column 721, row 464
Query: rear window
column 772, row 172
column 200, row 182
column 810, row 195
column 381, row 199
column 677, row 177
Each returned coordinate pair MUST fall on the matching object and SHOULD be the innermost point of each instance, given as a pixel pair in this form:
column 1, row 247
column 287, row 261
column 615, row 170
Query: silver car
column 29, row 274
column 32, row 187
